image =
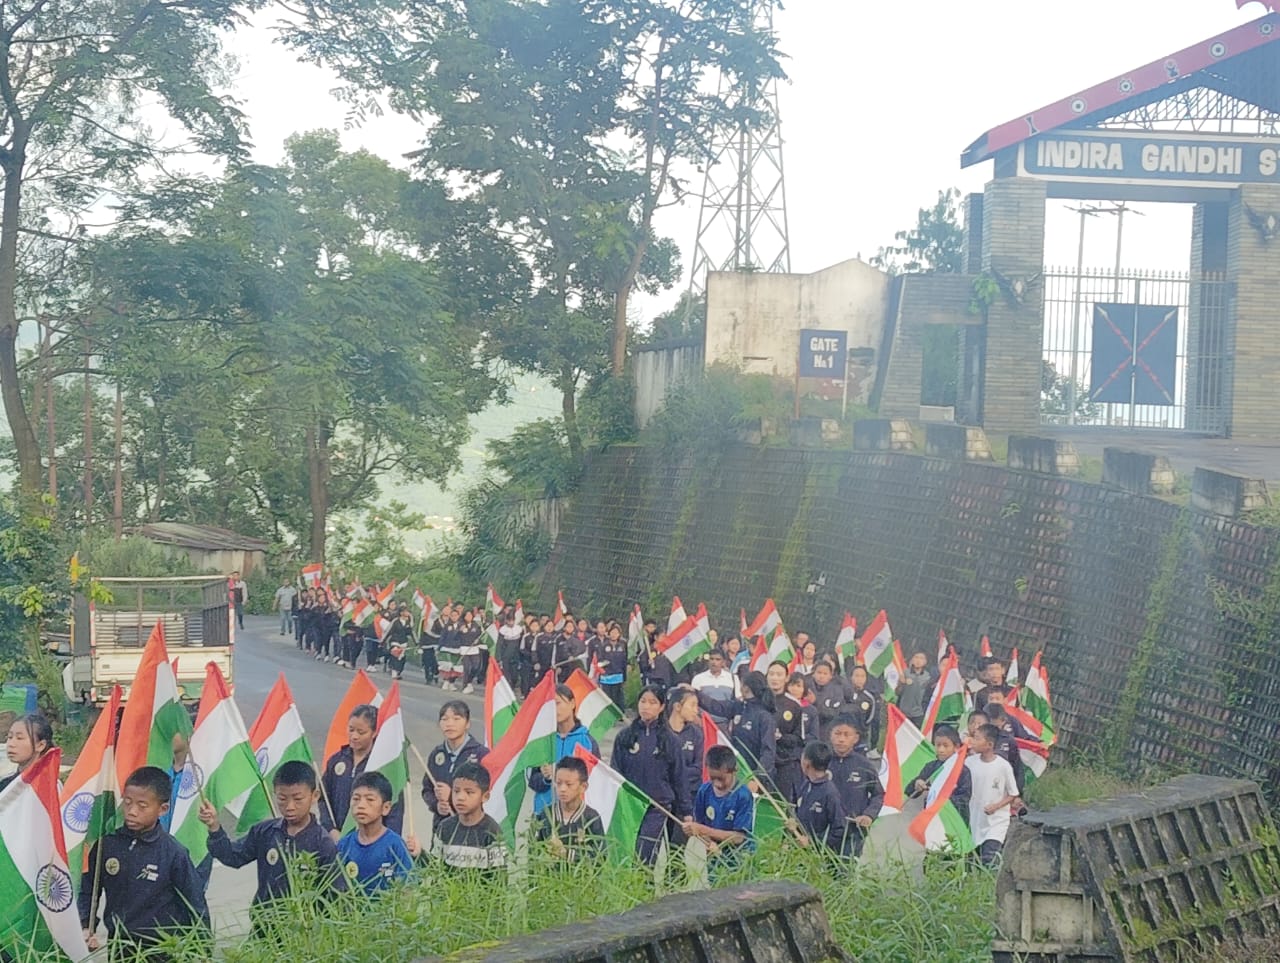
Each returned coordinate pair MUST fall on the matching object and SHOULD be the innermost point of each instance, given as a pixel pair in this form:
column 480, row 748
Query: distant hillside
column 531, row 399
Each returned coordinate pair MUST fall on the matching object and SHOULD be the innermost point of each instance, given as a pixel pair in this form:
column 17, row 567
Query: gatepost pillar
column 1013, row 249
column 1253, row 265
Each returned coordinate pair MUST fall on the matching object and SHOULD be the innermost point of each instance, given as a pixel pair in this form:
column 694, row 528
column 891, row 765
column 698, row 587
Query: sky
column 881, row 99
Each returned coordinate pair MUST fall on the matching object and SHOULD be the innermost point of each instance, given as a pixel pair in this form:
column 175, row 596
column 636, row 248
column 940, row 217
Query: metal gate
column 1192, row 327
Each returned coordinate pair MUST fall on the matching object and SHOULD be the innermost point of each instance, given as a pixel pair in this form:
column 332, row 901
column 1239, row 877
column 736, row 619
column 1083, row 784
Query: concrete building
column 754, row 320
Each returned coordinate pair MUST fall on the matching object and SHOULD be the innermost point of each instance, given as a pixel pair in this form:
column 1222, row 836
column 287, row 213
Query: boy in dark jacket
column 276, row 845
column 819, row 810
column 857, row 780
column 146, row 876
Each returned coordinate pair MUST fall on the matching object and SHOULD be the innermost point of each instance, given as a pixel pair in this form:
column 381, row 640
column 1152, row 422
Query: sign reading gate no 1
column 823, row 354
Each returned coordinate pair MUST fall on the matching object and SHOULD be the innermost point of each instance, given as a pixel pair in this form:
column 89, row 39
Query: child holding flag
column 569, row 734
column 345, row 765
column 648, row 754
column 946, row 743
column 723, row 812
column 610, row 653
column 371, row 855
column 275, row 844
column 144, row 875
column 857, row 781
column 994, row 792
column 571, row 829
column 458, row 749
column 470, row 838
column 684, row 719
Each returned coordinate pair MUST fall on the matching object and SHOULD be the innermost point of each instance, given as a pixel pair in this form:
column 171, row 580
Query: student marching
column 729, row 740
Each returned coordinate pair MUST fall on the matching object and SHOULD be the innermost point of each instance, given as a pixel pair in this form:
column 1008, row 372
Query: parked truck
column 108, row 637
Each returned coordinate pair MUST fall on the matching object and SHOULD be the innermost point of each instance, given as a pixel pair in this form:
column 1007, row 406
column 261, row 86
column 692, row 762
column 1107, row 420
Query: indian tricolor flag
column 906, row 753
column 984, row 648
column 38, row 912
column 780, row 649
column 153, row 713
column 360, row 692
column 89, row 796
column 947, row 703
column 876, row 649
column 1035, row 757
column 390, row 752
column 894, row 672
column 690, row 639
column 529, row 743
column 944, row 648
column 677, row 616
column 847, row 638
column 562, row 612
column 621, row 804
column 519, row 613
column 636, row 641
column 596, row 710
column 276, row 737
column 311, row 574
column 220, row 765
column 499, row 704
column 493, row 603
column 1034, row 697
column 941, row 826
column 759, row 656
column 1015, row 670
column 766, row 621
column 770, row 814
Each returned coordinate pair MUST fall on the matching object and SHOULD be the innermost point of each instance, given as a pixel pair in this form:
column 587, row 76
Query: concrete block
column 766, row 920
column 831, row 430
column 1048, row 456
column 957, row 442
column 1137, row 471
column 1225, row 493
column 882, row 434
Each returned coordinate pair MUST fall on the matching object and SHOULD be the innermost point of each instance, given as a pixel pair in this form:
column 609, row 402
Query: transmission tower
column 742, row 221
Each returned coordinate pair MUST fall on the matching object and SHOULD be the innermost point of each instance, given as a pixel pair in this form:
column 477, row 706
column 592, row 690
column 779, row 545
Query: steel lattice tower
column 742, row 221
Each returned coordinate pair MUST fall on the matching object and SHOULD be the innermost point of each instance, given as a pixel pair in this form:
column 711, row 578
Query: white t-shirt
column 992, row 781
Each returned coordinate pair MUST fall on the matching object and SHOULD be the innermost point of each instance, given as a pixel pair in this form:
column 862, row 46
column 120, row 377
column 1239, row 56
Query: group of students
column 807, row 732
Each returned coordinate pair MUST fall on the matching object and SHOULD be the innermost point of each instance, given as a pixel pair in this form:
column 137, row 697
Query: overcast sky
column 881, row 100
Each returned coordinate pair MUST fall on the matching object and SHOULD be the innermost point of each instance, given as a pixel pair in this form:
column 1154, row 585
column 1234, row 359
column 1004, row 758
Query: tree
column 571, row 118
column 75, row 79
column 312, row 332
column 687, row 319
column 936, row 243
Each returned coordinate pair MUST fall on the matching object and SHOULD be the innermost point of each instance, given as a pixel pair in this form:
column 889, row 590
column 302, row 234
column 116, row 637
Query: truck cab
column 108, row 637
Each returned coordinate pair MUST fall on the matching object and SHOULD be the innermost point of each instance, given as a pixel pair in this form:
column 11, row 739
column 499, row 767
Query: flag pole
column 325, row 795
column 97, row 860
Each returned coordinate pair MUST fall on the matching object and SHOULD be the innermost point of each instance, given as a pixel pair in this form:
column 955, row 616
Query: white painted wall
column 753, row 320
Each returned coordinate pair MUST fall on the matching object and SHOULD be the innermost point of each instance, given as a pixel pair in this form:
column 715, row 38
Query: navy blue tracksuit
column 649, row 755
column 149, row 883
column 269, row 844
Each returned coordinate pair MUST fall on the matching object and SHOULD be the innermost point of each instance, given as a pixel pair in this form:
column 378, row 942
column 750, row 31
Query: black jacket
column 963, row 792
column 794, row 725
column 441, row 764
column 649, row 755
column 339, row 774
column 857, row 779
column 149, row 883
column 269, row 844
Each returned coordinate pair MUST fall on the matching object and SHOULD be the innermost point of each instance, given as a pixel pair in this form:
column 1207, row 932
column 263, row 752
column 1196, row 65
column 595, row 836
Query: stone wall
column 1157, row 622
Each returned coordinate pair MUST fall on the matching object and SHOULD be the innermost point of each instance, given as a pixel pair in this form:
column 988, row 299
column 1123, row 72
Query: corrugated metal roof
column 205, row 537
column 1222, row 63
